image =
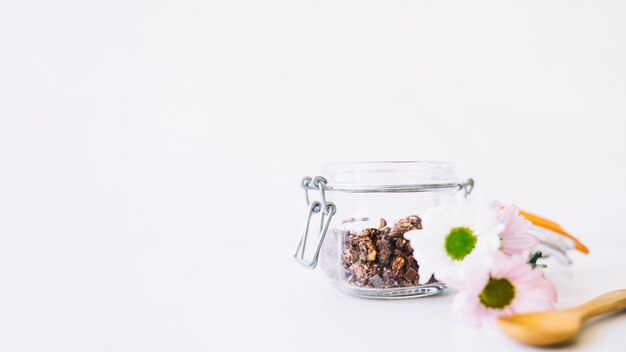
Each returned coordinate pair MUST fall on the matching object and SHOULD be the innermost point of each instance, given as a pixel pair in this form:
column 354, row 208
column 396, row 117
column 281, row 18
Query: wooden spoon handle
column 607, row 303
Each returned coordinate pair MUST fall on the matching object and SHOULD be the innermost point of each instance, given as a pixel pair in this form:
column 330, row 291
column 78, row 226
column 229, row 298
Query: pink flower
column 500, row 285
column 515, row 237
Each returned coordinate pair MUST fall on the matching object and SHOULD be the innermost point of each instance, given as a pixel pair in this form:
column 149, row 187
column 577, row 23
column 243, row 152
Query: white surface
column 150, row 154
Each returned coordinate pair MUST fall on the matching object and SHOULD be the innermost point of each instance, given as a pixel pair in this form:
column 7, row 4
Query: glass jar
column 364, row 209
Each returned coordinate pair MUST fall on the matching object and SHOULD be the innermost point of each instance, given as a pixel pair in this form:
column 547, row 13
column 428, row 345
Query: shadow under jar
column 361, row 215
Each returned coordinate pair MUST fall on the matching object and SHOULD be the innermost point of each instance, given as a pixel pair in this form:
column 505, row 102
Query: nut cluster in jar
column 381, row 257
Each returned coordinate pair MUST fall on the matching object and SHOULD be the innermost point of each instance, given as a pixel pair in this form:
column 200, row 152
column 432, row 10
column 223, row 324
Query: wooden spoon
column 559, row 326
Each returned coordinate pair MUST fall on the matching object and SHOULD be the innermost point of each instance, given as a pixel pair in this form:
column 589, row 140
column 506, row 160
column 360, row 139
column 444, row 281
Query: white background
column 150, row 156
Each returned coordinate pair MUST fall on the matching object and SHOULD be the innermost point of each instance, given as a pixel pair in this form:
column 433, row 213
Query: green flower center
column 497, row 294
column 460, row 242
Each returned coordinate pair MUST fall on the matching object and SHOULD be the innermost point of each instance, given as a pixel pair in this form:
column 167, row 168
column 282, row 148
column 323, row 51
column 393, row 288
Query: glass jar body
column 365, row 252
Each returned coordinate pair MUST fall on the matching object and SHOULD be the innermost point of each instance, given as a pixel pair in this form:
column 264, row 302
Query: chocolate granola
column 382, row 257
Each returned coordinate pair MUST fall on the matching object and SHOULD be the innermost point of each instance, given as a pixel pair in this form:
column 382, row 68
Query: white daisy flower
column 452, row 233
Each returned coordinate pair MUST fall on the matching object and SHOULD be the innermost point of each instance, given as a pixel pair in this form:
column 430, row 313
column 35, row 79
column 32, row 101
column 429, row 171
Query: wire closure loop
column 314, row 184
column 327, row 211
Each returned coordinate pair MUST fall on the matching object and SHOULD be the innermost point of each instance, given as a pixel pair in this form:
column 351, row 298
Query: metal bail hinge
column 326, row 211
column 468, row 186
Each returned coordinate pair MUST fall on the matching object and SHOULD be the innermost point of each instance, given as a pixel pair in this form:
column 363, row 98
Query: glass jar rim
column 390, row 176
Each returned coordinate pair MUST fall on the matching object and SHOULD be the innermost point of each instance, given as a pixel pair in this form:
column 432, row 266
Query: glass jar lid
column 388, row 176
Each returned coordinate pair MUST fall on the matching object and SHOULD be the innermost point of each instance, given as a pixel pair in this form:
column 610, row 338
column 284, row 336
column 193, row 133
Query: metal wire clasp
column 467, row 186
column 326, row 209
